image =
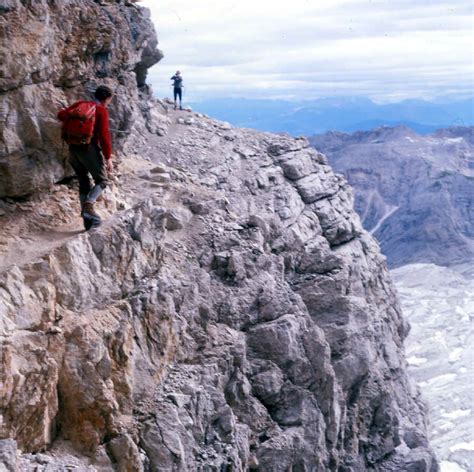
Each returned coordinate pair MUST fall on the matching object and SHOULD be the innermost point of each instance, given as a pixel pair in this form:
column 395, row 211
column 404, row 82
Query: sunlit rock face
column 52, row 53
column 414, row 193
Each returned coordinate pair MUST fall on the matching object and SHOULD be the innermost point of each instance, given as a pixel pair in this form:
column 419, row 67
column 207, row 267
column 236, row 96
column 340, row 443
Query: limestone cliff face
column 51, row 53
column 231, row 314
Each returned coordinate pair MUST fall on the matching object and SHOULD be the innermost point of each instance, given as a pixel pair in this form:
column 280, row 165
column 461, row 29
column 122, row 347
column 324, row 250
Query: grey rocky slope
column 230, row 314
column 237, row 317
column 414, row 193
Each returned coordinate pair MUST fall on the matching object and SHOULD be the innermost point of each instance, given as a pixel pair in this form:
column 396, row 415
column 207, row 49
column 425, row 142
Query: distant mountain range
column 341, row 114
column 414, row 193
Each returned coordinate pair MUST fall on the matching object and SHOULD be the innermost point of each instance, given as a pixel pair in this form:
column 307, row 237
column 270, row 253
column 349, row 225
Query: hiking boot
column 88, row 210
column 90, row 216
column 87, row 223
column 180, row 108
column 91, row 223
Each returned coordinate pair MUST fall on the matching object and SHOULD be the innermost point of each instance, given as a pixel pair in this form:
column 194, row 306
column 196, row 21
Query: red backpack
column 78, row 127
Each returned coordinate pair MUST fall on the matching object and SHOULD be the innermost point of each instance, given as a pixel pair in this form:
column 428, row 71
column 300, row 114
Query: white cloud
column 384, row 49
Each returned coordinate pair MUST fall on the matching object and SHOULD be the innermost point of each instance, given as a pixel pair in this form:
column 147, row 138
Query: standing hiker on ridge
column 177, row 88
column 86, row 130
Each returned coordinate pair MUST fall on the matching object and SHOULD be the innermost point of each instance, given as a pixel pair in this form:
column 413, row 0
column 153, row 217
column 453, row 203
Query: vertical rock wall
column 52, row 53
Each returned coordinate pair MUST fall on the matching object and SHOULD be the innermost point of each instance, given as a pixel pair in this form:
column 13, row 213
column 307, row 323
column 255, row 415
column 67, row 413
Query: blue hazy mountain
column 342, row 114
column 414, row 193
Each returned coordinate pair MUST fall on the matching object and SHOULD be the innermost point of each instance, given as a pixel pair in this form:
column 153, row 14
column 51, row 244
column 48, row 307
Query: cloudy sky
column 386, row 50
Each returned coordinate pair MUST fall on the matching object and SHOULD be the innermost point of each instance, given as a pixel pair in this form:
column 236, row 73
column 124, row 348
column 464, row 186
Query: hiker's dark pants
column 88, row 159
column 178, row 92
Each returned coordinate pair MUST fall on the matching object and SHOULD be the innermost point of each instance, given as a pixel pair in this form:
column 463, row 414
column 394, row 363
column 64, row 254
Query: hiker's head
column 103, row 94
column 178, row 72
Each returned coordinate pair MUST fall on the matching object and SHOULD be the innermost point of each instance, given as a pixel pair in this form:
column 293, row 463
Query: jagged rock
column 158, row 177
column 284, row 145
column 60, row 56
column 157, row 122
column 126, row 454
column 297, row 165
column 54, row 330
column 8, row 455
column 177, row 218
column 237, row 319
column 159, row 169
column 316, row 187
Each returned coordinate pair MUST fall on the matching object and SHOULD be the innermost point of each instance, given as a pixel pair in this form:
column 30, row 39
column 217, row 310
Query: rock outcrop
column 234, row 318
column 230, row 314
column 62, row 50
column 414, row 193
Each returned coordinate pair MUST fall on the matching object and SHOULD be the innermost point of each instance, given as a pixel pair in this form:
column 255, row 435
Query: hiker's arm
column 109, row 165
column 103, row 134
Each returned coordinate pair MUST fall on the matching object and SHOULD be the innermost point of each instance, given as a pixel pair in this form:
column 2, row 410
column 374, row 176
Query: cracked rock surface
column 219, row 321
column 230, row 314
column 63, row 50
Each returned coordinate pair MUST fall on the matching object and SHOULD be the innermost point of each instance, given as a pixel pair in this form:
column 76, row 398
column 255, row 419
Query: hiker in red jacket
column 91, row 152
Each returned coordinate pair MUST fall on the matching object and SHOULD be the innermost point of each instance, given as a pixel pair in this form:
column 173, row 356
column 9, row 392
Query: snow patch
column 390, row 211
column 445, row 426
column 463, row 447
column 413, row 360
column 457, row 414
column 455, row 355
column 439, row 304
column 447, row 466
column 443, row 378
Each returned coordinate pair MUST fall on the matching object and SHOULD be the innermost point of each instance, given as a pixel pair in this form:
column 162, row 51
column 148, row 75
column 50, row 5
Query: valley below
column 439, row 304
column 414, row 194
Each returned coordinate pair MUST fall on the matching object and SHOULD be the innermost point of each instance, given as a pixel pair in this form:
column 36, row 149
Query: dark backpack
column 78, row 127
